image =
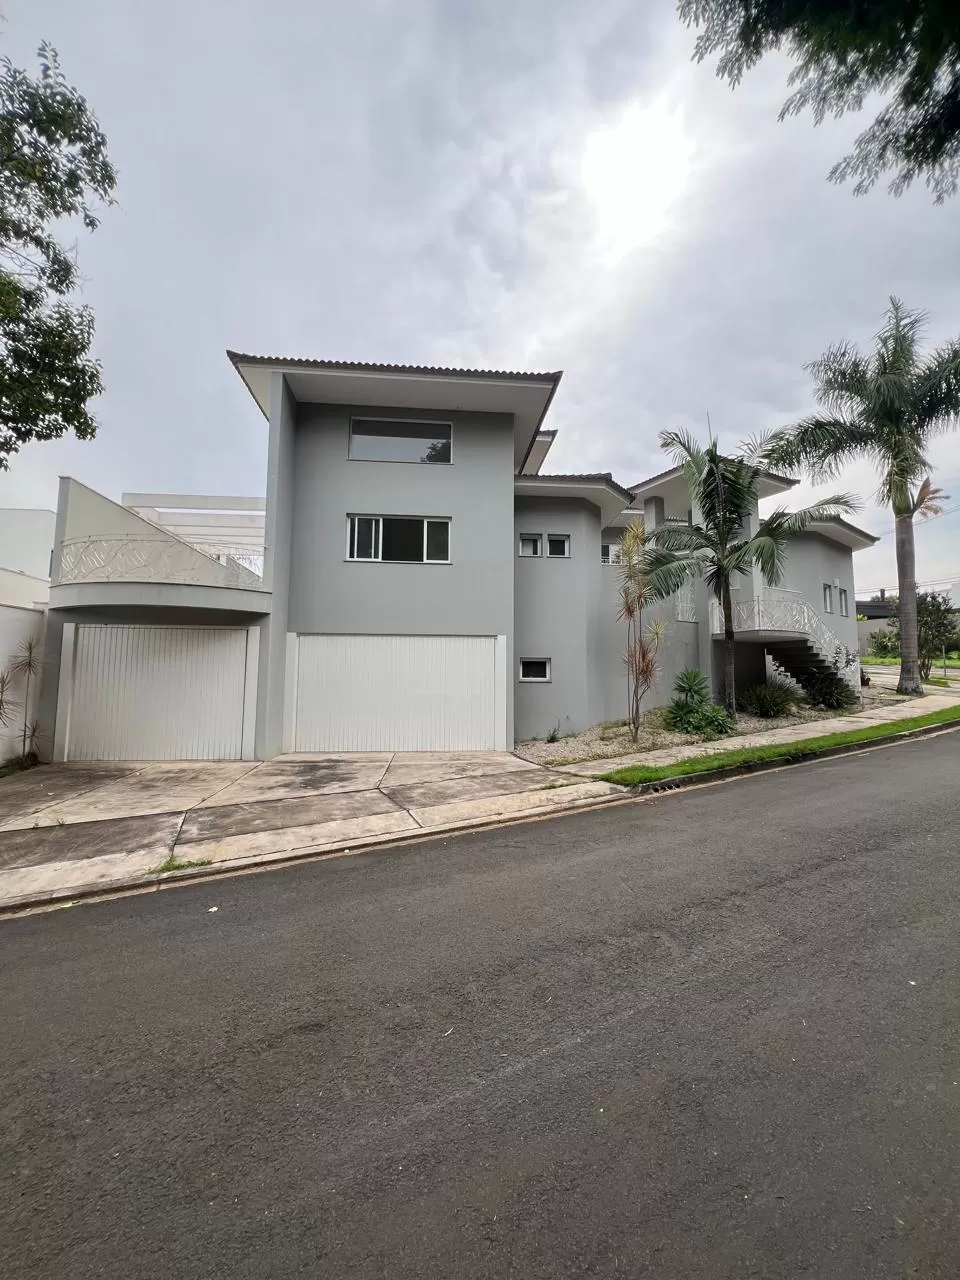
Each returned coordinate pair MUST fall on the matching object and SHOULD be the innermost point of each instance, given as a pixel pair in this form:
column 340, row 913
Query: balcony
column 158, row 560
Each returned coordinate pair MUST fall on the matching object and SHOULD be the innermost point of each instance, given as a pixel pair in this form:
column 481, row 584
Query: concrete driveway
column 70, row 828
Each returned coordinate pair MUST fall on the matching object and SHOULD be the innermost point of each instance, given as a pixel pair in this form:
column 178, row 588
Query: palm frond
column 680, row 537
column 929, row 500
column 820, row 445
column 937, row 399
column 26, row 661
column 842, row 375
column 667, row 571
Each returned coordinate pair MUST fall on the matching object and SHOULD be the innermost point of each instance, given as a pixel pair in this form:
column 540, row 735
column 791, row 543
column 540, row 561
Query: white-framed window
column 399, row 539
column 399, row 440
column 531, row 544
column 535, row 670
column 609, row 552
column 827, row 598
column 558, row 546
column 844, row 603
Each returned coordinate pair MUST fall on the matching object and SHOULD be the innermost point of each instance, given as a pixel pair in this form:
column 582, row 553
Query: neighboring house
column 873, row 615
column 422, row 585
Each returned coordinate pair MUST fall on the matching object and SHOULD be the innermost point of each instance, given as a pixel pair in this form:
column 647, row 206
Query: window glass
column 363, row 538
column 402, row 539
column 534, row 668
column 438, row 540
column 530, row 544
column 558, row 545
column 827, row 598
column 379, row 441
column 844, row 607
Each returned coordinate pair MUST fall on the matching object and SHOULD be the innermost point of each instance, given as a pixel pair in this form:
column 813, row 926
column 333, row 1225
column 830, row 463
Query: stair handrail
column 790, row 611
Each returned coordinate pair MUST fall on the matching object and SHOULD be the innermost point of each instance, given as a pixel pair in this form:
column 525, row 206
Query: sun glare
column 634, row 172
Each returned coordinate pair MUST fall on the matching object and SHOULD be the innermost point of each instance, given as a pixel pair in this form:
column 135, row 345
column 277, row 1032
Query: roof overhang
column 842, row 531
column 538, row 452
column 526, row 396
column 602, row 491
column 672, row 488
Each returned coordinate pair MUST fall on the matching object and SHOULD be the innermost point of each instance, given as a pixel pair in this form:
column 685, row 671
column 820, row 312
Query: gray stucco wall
column 473, row 595
column 813, row 560
column 557, row 616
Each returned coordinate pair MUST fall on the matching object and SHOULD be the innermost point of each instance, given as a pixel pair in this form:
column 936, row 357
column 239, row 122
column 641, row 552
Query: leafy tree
column 718, row 545
column 938, row 628
column 845, row 51
column 640, row 657
column 885, row 408
column 884, row 643
column 53, row 166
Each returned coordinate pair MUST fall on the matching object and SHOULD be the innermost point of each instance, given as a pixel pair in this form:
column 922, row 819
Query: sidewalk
column 792, row 733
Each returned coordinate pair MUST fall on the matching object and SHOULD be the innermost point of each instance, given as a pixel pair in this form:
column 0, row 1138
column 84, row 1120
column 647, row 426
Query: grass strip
column 873, row 661
column 634, row 774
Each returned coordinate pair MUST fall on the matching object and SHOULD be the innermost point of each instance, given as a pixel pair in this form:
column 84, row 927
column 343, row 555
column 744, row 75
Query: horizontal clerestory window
column 398, row 440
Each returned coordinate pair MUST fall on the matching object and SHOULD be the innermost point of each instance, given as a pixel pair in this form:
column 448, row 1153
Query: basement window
column 536, row 670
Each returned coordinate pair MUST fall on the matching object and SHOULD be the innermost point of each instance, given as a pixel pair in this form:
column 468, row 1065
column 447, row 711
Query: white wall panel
column 396, row 693
column 157, row 693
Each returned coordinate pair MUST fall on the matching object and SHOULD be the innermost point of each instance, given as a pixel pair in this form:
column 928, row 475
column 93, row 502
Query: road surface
column 714, row 1035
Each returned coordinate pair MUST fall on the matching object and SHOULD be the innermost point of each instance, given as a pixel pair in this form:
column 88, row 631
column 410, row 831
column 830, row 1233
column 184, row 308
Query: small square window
column 536, row 669
column 844, row 604
column 531, row 544
column 558, row 545
column 827, row 598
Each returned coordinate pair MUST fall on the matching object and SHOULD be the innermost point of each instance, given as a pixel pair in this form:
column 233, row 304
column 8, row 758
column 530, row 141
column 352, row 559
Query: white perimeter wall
column 15, row 626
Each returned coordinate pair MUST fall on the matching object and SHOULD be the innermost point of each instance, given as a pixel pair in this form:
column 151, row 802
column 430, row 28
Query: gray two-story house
column 422, row 586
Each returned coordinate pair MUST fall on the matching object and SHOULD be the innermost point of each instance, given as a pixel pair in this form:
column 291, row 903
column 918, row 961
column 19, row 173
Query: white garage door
column 157, row 693
column 396, row 693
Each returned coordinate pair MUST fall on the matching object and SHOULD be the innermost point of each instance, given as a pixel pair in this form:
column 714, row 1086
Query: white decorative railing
column 686, row 603
column 790, row 612
column 157, row 560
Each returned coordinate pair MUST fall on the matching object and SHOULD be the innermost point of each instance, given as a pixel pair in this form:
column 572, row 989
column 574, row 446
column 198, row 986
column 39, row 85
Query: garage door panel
column 157, row 693
column 396, row 693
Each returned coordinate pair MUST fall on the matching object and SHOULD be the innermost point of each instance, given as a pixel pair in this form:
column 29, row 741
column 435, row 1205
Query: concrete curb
column 782, row 762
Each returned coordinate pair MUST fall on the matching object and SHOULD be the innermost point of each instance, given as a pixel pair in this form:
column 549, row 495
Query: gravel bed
column 604, row 741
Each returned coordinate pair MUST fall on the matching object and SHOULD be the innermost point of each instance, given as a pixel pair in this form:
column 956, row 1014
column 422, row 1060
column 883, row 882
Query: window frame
column 523, row 537
column 843, row 602
column 828, row 597
column 397, row 462
column 536, row 679
column 378, row 538
column 614, row 554
column 555, row 536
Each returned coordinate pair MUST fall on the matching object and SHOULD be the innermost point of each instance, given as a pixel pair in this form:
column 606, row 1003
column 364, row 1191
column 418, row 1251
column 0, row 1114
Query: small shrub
column 554, row 734
column 864, row 679
column 691, row 687
column 768, row 701
column 885, row 643
column 826, row 689
column 702, row 718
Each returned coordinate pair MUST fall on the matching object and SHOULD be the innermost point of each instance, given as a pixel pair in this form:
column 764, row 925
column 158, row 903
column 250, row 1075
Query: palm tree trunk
column 730, row 652
column 907, row 590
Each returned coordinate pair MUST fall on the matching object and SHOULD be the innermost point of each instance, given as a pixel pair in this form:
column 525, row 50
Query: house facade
column 412, row 580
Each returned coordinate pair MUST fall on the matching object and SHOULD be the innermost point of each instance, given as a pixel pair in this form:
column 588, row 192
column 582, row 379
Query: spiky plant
column 26, row 664
column 640, row 657
column 717, row 545
column 885, row 408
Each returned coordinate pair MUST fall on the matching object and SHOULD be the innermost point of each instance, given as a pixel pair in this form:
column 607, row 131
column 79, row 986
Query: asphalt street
column 711, row 1035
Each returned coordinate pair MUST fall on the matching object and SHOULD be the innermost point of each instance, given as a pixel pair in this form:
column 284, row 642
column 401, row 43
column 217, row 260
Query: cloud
column 546, row 184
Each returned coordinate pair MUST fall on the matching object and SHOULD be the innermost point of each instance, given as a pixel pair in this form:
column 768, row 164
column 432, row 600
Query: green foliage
column 632, row 775
column 885, row 643
column 54, row 166
column 937, row 628
column 886, row 409
column 554, row 734
column 768, row 701
column 691, row 710
column 827, row 689
column 691, row 685
column 906, row 50
column 643, row 643
column 725, row 491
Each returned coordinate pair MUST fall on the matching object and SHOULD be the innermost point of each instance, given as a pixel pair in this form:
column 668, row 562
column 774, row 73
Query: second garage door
column 396, row 693
column 157, row 693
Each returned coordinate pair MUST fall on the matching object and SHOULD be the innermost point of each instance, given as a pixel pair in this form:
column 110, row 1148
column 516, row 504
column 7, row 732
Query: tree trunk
column 729, row 644
column 907, row 589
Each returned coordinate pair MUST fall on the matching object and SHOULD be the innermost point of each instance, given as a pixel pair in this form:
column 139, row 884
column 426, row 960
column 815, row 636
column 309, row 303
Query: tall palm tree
column 718, row 546
column 886, row 408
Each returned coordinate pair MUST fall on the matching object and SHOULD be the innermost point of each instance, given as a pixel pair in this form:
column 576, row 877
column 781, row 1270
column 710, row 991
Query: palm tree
column 640, row 657
column 718, row 546
column 26, row 663
column 886, row 408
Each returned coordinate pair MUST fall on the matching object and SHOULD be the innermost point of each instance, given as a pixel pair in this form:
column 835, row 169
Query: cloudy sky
column 540, row 185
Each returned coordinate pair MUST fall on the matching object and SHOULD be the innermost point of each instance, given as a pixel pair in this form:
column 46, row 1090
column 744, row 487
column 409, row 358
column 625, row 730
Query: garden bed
column 612, row 739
